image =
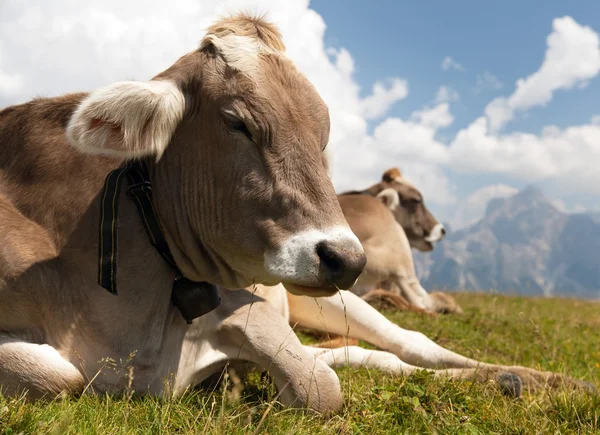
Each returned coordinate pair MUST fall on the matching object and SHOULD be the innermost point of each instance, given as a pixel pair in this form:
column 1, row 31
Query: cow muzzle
column 437, row 233
column 317, row 263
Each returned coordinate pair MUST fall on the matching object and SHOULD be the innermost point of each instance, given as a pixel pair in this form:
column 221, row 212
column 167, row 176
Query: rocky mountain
column 595, row 215
column 522, row 245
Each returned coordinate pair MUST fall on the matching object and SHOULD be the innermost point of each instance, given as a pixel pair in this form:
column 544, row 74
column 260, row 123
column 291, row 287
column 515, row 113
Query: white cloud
column 448, row 63
column 472, row 209
column 486, row 81
column 572, row 58
column 382, row 98
column 10, row 84
column 558, row 156
column 435, row 118
column 446, row 94
column 562, row 206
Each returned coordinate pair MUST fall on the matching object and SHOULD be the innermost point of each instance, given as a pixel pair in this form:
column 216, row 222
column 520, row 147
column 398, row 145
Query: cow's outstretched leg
column 348, row 315
column 36, row 369
column 511, row 379
column 253, row 330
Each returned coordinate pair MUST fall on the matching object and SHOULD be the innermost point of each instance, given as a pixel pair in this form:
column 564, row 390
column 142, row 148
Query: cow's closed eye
column 236, row 125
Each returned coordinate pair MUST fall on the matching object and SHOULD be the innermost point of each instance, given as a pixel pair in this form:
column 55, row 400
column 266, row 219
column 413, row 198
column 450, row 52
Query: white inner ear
column 390, row 198
column 127, row 119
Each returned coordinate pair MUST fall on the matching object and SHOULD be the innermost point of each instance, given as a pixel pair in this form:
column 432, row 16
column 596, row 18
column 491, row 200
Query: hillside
column 522, row 245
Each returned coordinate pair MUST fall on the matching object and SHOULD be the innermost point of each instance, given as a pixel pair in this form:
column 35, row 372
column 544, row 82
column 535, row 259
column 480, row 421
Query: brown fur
column 391, row 174
column 387, row 300
column 337, row 341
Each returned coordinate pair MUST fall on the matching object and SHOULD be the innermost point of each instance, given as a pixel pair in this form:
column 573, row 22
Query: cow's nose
column 341, row 263
column 443, row 230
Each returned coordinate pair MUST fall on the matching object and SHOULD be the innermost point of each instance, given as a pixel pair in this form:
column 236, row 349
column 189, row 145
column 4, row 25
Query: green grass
column 551, row 334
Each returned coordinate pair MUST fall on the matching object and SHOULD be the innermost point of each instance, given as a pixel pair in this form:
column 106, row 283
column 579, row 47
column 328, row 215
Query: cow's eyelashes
column 236, row 125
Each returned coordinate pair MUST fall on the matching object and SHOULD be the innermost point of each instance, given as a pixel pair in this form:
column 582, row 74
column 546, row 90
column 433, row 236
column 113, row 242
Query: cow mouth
column 422, row 245
column 302, row 290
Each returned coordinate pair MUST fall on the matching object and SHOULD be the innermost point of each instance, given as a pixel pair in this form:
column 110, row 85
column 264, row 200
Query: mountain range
column 522, row 245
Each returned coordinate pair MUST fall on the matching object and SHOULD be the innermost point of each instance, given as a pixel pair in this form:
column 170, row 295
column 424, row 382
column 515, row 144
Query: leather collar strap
column 192, row 299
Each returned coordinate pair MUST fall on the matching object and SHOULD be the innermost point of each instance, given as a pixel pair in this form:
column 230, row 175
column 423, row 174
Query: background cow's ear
column 390, row 198
column 391, row 174
column 127, row 119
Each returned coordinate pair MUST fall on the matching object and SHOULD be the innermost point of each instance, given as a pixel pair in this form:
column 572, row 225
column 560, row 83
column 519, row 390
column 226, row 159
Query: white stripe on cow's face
column 437, row 233
column 297, row 261
column 241, row 53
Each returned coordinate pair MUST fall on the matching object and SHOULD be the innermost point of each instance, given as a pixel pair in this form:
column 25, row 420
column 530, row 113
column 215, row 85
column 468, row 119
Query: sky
column 472, row 100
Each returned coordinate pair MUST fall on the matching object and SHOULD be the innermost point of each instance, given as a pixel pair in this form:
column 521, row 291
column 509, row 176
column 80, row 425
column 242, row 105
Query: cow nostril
column 340, row 264
column 332, row 264
column 443, row 231
column 329, row 258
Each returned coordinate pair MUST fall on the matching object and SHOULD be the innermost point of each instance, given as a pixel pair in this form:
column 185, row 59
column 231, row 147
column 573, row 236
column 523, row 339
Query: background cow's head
column 406, row 202
column 234, row 136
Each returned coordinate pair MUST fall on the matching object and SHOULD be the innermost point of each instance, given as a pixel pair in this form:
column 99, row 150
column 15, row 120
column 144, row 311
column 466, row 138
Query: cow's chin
column 422, row 245
column 316, row 292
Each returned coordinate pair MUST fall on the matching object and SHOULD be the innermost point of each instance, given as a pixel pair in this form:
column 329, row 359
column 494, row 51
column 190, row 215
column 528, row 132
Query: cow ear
column 391, row 174
column 390, row 198
column 127, row 119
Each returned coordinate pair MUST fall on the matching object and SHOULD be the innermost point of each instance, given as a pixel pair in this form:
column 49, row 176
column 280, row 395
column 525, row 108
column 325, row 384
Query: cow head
column 406, row 202
column 234, row 136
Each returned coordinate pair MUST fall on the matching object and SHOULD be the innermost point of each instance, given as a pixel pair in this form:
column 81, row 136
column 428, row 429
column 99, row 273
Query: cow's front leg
column 348, row 315
column 390, row 364
column 253, row 330
column 37, row 369
column 512, row 380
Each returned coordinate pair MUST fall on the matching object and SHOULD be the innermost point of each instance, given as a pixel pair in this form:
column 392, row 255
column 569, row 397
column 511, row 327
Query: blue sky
column 507, row 39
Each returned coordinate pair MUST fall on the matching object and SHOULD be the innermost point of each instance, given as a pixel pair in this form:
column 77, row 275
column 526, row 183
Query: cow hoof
column 443, row 303
column 510, row 384
column 591, row 388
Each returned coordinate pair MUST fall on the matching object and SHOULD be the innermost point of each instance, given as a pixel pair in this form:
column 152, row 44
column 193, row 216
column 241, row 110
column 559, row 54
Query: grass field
column 551, row 334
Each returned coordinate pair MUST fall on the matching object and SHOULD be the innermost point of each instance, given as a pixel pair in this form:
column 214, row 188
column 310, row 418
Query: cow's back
column 365, row 214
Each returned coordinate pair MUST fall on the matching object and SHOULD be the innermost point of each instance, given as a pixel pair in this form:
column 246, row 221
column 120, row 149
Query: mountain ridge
column 522, row 244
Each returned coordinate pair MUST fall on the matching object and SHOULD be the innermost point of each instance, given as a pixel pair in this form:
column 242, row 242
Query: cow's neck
column 196, row 258
column 192, row 299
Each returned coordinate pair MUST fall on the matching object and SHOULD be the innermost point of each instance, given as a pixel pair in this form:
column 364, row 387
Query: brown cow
column 408, row 206
column 231, row 136
column 388, row 219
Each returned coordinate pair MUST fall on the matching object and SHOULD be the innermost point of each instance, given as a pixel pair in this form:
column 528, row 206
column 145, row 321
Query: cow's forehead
column 401, row 182
column 266, row 69
column 241, row 53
